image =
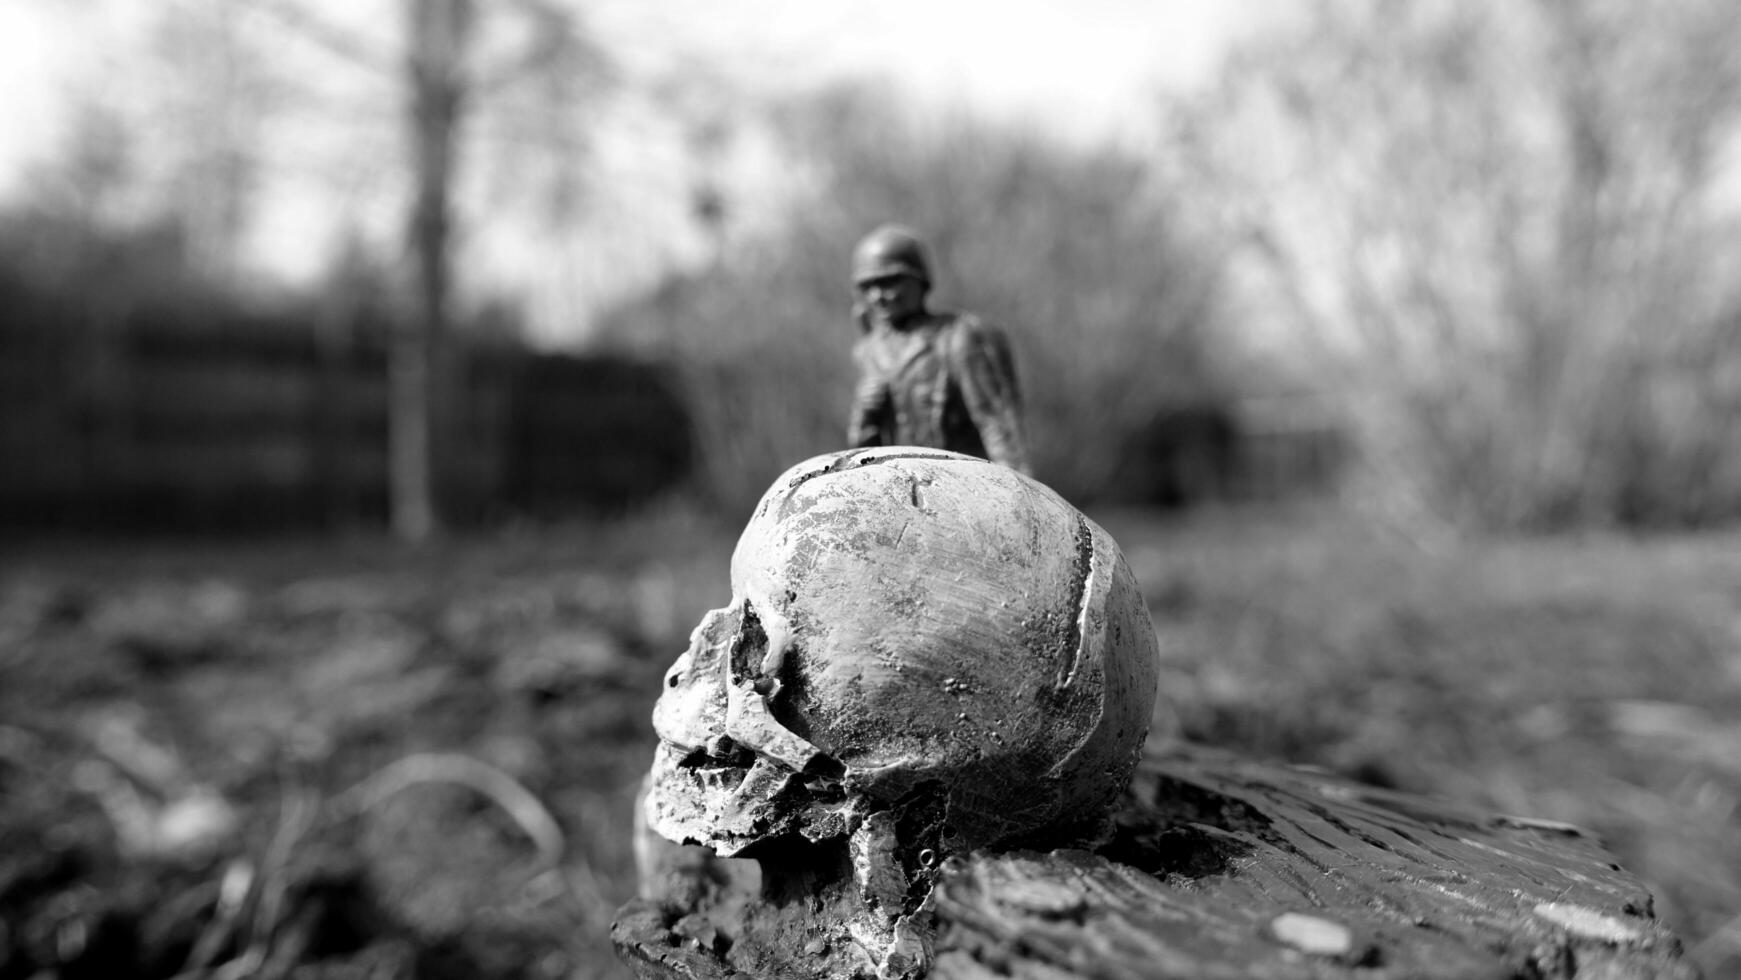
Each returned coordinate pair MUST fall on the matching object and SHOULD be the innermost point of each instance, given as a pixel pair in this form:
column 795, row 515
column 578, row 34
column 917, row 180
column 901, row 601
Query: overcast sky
column 1079, row 65
column 1087, row 61
column 1086, row 69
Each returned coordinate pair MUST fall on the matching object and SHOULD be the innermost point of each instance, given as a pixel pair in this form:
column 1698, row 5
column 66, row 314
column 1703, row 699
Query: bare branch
column 559, row 44
column 346, row 44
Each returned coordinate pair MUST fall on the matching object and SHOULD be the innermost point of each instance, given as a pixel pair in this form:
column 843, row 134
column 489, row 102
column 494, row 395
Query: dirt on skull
column 924, row 653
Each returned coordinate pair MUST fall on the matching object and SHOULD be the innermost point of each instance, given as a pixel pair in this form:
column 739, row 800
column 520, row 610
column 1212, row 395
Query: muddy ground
column 339, row 758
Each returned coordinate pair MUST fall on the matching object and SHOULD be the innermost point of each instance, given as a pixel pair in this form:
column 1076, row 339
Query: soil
column 329, row 759
column 341, row 758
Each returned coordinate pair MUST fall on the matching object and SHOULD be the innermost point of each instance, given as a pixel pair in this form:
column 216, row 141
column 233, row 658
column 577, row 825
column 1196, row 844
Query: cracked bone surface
column 924, row 653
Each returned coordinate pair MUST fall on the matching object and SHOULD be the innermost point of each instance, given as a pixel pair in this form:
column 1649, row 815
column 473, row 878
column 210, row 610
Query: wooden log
column 1218, row 866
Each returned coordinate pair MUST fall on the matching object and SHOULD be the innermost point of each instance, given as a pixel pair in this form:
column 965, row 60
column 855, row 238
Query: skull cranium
column 924, row 652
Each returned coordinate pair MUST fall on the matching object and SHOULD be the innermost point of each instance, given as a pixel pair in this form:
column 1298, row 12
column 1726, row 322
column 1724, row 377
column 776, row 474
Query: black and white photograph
column 870, row 490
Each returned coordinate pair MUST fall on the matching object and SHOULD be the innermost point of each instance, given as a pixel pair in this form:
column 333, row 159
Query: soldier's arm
column 986, row 373
column 870, row 405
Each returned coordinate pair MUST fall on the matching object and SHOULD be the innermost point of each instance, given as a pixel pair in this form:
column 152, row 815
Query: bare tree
column 1486, row 217
column 445, row 80
column 439, row 32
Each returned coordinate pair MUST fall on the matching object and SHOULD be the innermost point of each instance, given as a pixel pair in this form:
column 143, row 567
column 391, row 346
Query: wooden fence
column 157, row 422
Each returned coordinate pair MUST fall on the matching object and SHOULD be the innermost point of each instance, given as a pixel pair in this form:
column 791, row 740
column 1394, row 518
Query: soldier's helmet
column 891, row 250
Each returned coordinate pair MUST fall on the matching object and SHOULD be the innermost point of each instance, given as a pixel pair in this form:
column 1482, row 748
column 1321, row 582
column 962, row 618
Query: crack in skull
column 898, row 679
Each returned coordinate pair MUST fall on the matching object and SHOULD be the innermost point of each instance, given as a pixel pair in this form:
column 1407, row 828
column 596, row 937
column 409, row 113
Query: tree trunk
column 438, row 32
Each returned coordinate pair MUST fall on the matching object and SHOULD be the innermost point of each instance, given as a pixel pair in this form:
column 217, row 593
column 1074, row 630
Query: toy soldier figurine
column 939, row 379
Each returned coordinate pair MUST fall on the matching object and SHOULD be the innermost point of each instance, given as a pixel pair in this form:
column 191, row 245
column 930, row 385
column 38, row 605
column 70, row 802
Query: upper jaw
column 732, row 807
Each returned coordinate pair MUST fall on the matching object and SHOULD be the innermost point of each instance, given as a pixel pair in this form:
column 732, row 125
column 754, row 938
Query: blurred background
column 383, row 384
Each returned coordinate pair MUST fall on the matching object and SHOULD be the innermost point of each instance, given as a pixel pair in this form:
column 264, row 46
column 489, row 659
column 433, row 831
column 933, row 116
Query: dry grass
column 1594, row 681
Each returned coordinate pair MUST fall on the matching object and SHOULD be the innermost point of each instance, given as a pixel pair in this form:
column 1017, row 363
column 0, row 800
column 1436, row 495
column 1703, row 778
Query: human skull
column 920, row 643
